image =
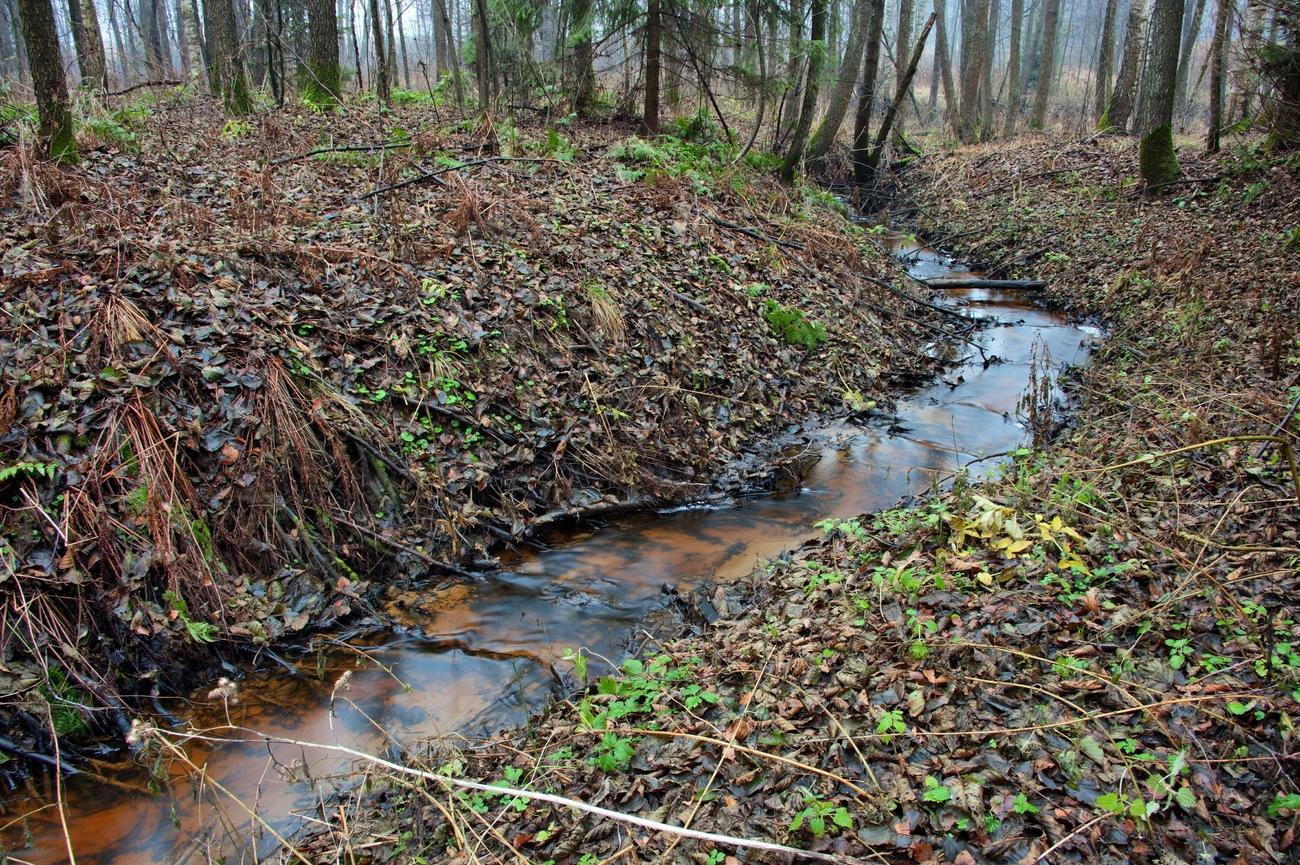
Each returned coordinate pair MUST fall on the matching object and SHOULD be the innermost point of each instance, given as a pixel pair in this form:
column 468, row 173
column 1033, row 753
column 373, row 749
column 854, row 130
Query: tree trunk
column 945, row 60
column 184, row 41
column 842, row 93
column 1191, row 29
column 816, row 56
column 653, row 56
column 383, row 84
column 1013, row 68
column 322, row 79
column 1047, row 63
column 57, row 140
column 786, row 115
column 1105, row 59
column 487, row 74
column 225, row 57
column 582, row 85
column 149, row 31
column 906, row 12
column 867, row 91
column 974, row 42
column 94, row 69
column 390, row 40
column 1218, row 73
column 441, row 64
column 1243, row 76
column 986, row 73
column 123, row 58
column 199, row 37
column 1121, row 99
column 401, row 41
column 1156, row 158
column 453, row 56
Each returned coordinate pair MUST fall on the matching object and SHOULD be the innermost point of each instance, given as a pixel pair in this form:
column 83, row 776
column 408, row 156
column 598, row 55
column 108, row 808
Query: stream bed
column 480, row 655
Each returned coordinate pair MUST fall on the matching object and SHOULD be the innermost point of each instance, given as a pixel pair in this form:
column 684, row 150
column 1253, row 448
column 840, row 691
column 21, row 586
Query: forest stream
column 480, row 655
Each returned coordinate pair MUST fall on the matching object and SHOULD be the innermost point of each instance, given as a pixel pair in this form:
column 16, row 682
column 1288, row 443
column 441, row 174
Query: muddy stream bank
column 479, row 655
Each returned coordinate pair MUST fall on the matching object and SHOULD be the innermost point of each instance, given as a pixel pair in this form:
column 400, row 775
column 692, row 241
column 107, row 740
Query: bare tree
column 906, row 12
column 944, row 60
column 1013, row 68
column 1046, row 63
column 42, row 40
column 1191, row 27
column 382, row 76
column 816, row 57
column 846, row 80
column 974, row 44
column 1218, row 72
column 90, row 43
column 867, row 93
column 1120, row 110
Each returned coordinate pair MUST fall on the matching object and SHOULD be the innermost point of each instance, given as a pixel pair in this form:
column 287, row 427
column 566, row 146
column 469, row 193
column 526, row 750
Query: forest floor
column 1092, row 657
column 255, row 372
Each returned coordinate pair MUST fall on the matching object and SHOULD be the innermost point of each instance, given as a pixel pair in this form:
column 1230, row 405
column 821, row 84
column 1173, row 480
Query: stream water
column 479, row 655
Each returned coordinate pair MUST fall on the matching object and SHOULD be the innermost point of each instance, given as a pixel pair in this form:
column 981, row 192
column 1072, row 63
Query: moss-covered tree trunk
column 226, row 60
column 1157, row 160
column 816, row 58
column 57, row 138
column 322, row 84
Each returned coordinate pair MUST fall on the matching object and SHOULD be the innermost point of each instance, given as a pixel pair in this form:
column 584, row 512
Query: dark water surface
column 478, row 655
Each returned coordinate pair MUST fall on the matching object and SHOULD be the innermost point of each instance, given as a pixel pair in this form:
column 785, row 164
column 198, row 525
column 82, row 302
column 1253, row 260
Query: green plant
column 815, row 813
column 819, row 575
column 935, row 792
column 890, row 724
column 614, row 753
column 199, row 631
column 27, row 469
column 792, row 326
column 1022, row 805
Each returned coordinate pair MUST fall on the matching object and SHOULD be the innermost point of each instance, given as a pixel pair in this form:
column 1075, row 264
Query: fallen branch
column 433, row 175
column 980, row 282
column 497, row 789
column 11, row 747
column 167, row 83
column 757, row 235
column 916, row 300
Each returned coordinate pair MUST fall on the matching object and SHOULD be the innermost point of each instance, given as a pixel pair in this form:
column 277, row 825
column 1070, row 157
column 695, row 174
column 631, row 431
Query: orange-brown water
column 478, row 655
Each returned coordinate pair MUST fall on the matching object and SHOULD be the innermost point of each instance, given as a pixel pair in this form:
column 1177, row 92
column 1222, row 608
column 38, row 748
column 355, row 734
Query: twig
column 757, row 235
column 1058, row 844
